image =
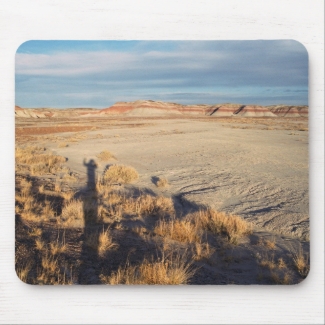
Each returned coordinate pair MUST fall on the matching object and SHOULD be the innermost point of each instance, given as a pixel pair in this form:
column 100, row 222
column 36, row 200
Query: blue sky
column 99, row 73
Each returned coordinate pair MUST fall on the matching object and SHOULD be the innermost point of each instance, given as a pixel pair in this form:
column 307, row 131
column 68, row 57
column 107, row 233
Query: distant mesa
column 157, row 108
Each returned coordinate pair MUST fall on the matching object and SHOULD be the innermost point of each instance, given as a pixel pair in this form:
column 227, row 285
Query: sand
column 259, row 174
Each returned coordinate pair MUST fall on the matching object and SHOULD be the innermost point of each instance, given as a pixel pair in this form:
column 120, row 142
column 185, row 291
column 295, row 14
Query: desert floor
column 256, row 168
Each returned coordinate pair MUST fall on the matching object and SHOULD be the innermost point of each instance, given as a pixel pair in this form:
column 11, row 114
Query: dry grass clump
column 105, row 155
column 203, row 251
column 146, row 205
column 281, row 263
column 105, row 242
column 47, row 211
column 68, row 195
column 37, row 161
column 51, row 273
column 218, row 222
column 120, row 174
column 100, row 242
column 23, row 271
column 57, row 187
column 39, row 244
column 35, row 232
column 24, row 191
column 268, row 262
column 301, row 262
column 62, row 145
column 72, row 214
column 24, row 155
column 41, row 189
column 58, row 247
column 162, row 182
column 77, row 137
column 69, row 177
column 281, row 279
column 270, row 243
column 165, row 271
column 28, row 208
column 181, row 230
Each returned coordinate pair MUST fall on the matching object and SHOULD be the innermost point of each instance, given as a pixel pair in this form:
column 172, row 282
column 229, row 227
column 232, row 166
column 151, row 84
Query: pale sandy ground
column 261, row 175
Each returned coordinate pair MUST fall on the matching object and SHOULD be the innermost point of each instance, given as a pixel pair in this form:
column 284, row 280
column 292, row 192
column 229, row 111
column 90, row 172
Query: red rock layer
column 254, row 110
column 289, row 111
column 226, row 110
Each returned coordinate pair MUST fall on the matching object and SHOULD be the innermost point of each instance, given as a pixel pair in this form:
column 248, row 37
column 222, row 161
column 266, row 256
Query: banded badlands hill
column 156, row 108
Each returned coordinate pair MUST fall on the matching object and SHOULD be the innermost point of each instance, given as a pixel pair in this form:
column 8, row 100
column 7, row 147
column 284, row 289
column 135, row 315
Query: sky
column 62, row 74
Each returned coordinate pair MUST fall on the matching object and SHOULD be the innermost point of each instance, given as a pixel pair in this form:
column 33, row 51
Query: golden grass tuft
column 68, row 177
column 146, row 205
column 281, row 263
column 218, row 222
column 68, row 195
column 22, row 272
column 180, row 230
column 301, row 262
column 57, row 247
column 35, row 232
column 72, row 214
column 38, row 161
column 105, row 156
column 47, row 210
column 278, row 279
column 120, row 174
column 62, row 145
column 41, row 189
column 167, row 271
column 270, row 243
column 39, row 244
column 203, row 251
column 268, row 262
column 105, row 242
column 162, row 182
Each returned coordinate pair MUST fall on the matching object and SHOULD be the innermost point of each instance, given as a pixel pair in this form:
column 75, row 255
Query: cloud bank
column 97, row 74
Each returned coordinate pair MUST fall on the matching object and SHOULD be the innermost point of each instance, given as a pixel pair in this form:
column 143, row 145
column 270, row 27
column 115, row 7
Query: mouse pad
column 161, row 162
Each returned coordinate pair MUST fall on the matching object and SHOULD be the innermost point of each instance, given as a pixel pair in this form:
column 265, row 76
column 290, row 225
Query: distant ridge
column 158, row 108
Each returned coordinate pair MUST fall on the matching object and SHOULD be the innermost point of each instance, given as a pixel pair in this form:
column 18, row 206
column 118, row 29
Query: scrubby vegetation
column 162, row 182
column 118, row 234
column 120, row 174
column 105, row 156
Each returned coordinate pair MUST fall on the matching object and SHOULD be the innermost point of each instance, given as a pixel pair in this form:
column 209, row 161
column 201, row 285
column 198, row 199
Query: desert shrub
column 202, row 251
column 58, row 247
column 72, row 214
column 268, row 262
column 23, row 271
column 301, row 261
column 68, row 195
column 170, row 270
column 180, row 230
column 162, row 182
column 270, row 243
column 50, row 272
column 69, row 177
column 62, row 145
column 146, row 205
column 105, row 155
column 232, row 226
column 120, row 174
column 105, row 242
column 38, row 161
